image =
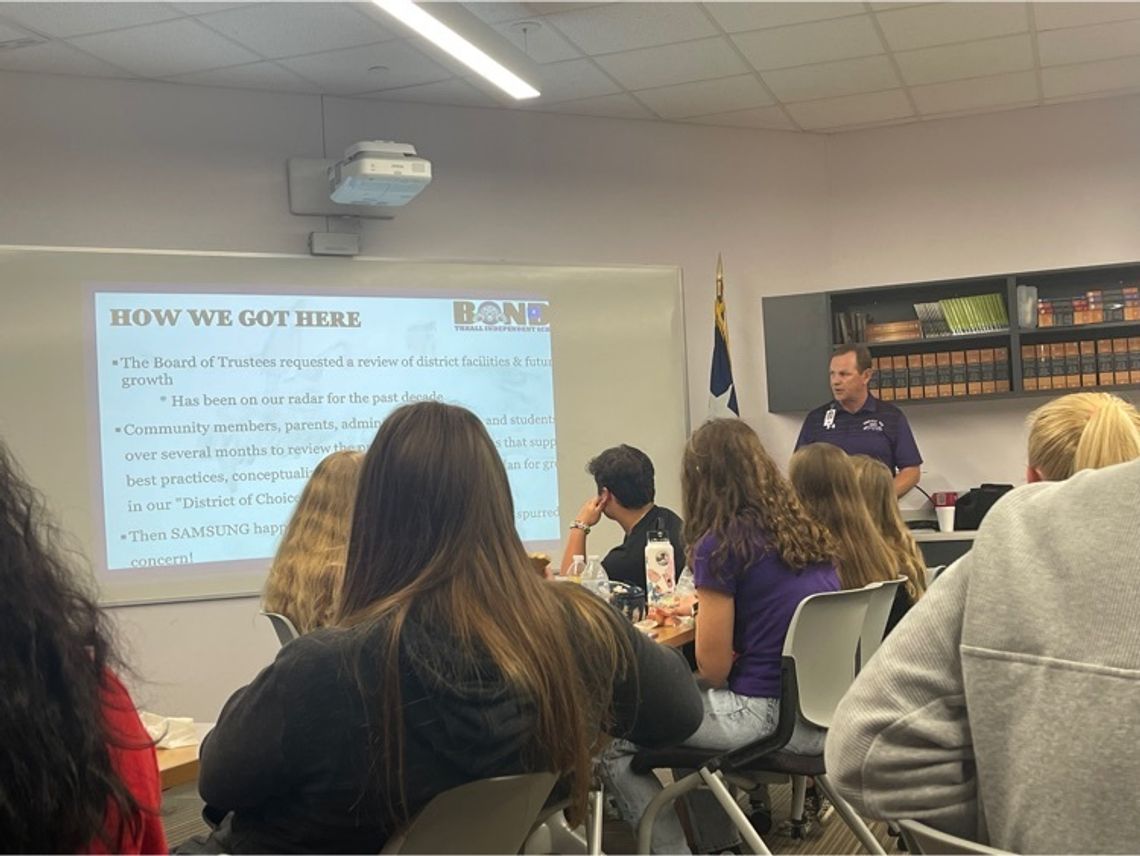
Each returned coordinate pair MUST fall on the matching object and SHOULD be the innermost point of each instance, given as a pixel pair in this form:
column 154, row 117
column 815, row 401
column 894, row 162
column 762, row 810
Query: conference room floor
column 181, row 816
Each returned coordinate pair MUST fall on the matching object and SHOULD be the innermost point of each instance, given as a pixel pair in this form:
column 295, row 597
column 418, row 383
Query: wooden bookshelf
column 799, row 331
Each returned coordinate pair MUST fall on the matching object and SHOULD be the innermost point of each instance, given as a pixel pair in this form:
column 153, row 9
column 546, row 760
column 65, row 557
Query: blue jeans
column 730, row 721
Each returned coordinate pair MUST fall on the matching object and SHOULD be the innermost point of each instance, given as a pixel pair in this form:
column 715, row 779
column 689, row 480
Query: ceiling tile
column 63, row 20
column 851, row 110
column 1086, row 44
column 706, row 96
column 980, row 92
column 257, row 75
column 821, row 41
column 737, row 17
column 889, row 4
column 288, row 29
column 627, row 26
column 455, row 92
column 495, row 13
column 203, row 8
column 831, row 79
column 620, row 106
column 538, row 40
column 1052, row 16
column 544, row 8
column 57, row 58
column 972, row 59
column 1109, row 76
column 771, row 118
column 946, row 23
column 683, row 63
column 573, row 79
column 160, row 50
column 347, row 72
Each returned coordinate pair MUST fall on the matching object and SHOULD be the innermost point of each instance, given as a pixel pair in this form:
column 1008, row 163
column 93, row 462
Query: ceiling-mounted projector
column 378, row 172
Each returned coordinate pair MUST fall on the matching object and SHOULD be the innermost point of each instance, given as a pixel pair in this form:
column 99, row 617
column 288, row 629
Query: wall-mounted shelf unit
column 800, row 330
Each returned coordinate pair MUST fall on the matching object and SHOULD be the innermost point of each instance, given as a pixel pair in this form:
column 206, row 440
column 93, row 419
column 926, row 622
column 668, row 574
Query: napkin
column 169, row 732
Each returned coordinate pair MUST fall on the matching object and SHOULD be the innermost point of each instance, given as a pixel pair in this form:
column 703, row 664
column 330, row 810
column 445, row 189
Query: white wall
column 137, row 164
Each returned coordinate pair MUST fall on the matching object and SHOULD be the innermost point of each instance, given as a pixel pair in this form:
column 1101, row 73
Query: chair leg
column 856, row 824
column 594, row 821
column 669, row 794
column 715, row 783
column 799, row 789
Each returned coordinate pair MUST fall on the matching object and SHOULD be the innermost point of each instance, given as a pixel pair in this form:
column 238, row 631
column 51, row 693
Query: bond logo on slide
column 503, row 315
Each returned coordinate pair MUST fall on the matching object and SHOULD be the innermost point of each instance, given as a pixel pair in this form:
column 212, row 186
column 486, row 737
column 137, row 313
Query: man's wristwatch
column 578, row 524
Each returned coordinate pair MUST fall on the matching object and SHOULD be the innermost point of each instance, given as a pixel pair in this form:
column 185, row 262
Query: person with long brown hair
column 305, row 577
column 878, row 491
column 77, row 768
column 755, row 554
column 452, row 661
column 824, row 479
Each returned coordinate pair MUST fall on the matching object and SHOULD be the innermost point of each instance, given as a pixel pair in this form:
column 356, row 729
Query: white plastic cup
column 945, row 518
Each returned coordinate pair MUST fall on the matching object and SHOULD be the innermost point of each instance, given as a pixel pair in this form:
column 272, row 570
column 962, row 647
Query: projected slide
column 214, row 408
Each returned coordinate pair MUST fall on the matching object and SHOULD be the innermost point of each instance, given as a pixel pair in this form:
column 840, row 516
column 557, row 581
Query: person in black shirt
column 624, row 476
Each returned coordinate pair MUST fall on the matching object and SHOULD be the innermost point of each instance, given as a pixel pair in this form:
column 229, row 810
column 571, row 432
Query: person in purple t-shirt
column 755, row 554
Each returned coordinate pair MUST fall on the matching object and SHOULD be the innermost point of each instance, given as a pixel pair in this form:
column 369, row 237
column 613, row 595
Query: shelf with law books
column 940, row 376
column 895, row 321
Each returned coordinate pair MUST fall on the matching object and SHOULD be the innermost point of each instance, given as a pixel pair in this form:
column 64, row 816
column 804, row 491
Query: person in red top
column 77, row 769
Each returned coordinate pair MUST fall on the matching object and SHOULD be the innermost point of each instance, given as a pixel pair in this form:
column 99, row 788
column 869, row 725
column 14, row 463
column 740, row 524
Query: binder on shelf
column 986, row 358
column 1057, row 364
column 958, row 373
column 885, row 378
column 1001, row 370
column 873, row 383
column 1134, row 359
column 1088, row 363
column 929, row 376
column 1044, row 367
column 902, row 386
column 1028, row 367
column 1072, row 365
column 945, row 379
column 1120, row 361
column 1105, row 368
column 914, row 372
column 973, row 373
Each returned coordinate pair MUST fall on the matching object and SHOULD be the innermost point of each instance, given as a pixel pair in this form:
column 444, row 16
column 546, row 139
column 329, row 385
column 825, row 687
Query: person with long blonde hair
column 878, row 490
column 1082, row 431
column 824, row 479
column 755, row 554
column 451, row 661
column 305, row 577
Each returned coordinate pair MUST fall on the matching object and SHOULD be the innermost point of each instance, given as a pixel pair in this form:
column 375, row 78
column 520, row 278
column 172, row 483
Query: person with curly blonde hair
column 755, row 554
column 1082, row 431
column 305, row 578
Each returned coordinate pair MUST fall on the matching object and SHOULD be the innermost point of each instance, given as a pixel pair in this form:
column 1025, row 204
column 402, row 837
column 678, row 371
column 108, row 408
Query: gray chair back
column 486, row 816
column 282, row 626
column 878, row 611
column 921, row 838
column 823, row 639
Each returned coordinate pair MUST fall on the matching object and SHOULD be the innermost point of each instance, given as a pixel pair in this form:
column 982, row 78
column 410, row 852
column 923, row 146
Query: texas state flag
column 722, row 390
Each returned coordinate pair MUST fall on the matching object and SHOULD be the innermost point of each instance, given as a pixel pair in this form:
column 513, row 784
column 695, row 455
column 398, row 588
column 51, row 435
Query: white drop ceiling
column 806, row 66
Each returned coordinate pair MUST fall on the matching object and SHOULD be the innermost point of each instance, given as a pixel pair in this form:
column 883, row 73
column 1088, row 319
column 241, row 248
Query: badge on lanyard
column 829, row 419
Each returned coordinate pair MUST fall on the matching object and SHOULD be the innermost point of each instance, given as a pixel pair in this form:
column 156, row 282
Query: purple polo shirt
column 878, row 429
column 765, row 594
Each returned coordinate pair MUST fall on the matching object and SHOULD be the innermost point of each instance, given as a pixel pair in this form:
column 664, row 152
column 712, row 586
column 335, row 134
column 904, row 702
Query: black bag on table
column 974, row 504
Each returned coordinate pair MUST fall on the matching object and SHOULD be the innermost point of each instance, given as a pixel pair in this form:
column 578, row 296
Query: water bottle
column 574, row 572
column 660, row 566
column 595, row 578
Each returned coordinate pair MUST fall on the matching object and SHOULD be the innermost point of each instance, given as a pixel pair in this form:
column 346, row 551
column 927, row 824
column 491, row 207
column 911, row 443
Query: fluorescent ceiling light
column 451, row 42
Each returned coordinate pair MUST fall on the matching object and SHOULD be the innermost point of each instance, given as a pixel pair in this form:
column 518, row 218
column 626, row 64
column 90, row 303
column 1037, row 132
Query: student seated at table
column 756, row 554
column 824, row 478
column 878, row 489
column 452, row 661
column 305, row 578
column 77, row 769
column 1085, row 430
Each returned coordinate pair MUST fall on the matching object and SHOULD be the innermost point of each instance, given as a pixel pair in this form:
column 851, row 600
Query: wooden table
column 674, row 637
column 180, row 766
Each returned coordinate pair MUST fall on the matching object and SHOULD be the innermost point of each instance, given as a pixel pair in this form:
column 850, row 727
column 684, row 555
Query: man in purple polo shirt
column 860, row 424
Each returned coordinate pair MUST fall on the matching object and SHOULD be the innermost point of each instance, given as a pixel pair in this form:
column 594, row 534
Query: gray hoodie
column 1005, row 707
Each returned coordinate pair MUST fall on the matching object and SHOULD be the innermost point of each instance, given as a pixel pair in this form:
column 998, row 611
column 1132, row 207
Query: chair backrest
column 284, row 628
column 878, row 611
column 822, row 640
column 921, row 838
column 486, row 816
